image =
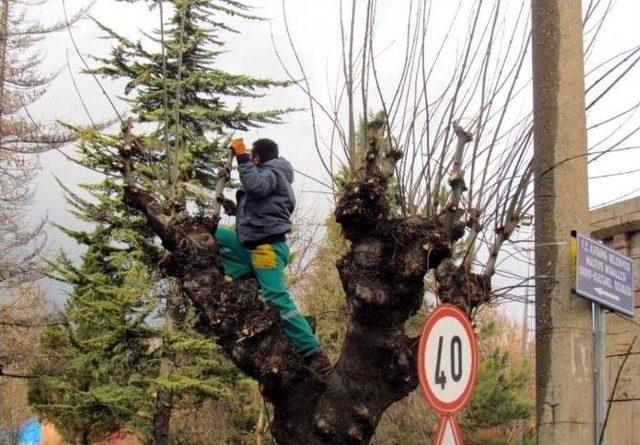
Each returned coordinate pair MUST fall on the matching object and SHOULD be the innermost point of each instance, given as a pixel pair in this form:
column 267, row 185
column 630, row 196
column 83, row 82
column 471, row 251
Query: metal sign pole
column 600, row 371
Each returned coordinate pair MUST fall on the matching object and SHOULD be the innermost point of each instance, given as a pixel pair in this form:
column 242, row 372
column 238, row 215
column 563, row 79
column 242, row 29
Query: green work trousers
column 267, row 262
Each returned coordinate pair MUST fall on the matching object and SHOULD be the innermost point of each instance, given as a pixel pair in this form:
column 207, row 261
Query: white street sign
column 447, row 359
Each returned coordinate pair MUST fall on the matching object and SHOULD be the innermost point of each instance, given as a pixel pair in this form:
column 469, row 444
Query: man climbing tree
column 258, row 247
column 383, row 277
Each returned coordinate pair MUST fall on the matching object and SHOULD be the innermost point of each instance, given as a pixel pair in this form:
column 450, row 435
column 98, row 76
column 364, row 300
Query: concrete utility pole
column 564, row 337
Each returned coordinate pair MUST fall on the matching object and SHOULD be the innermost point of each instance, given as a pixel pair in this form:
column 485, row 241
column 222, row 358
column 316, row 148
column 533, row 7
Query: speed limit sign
column 447, row 359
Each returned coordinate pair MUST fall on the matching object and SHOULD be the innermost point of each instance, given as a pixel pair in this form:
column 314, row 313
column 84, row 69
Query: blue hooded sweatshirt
column 266, row 202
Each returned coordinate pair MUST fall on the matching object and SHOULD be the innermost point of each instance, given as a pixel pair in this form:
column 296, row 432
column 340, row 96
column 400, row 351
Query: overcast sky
column 314, row 26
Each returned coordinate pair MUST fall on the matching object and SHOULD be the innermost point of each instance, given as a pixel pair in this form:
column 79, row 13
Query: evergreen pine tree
column 181, row 100
column 98, row 362
column 186, row 97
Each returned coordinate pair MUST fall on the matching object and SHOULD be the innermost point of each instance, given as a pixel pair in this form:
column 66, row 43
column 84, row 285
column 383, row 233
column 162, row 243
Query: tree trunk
column 162, row 417
column 382, row 275
column 164, row 397
column 4, row 39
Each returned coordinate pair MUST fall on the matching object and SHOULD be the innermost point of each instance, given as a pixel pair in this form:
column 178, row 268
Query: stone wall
column 618, row 225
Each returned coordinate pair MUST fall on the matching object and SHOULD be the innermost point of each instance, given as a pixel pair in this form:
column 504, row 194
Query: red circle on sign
column 446, row 310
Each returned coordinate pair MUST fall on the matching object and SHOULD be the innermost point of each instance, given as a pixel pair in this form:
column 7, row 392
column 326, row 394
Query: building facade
column 618, row 226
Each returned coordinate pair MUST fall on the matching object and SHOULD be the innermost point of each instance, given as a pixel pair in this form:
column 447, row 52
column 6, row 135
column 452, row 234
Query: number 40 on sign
column 447, row 364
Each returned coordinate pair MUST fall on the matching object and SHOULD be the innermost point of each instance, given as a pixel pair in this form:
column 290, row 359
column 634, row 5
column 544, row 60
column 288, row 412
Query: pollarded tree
column 500, row 396
column 487, row 180
column 383, row 277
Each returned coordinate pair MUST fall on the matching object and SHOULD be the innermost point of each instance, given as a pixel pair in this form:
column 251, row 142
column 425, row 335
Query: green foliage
column 98, row 363
column 203, row 105
column 500, row 394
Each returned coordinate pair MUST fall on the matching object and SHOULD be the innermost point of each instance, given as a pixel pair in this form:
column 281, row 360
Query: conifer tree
column 188, row 110
column 188, row 99
column 99, row 361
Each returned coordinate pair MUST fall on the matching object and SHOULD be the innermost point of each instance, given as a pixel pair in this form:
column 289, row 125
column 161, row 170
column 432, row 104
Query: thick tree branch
column 383, row 278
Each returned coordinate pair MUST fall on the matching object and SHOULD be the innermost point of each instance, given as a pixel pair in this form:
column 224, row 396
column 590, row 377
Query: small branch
column 78, row 93
column 17, row 376
column 125, row 152
column 615, row 387
column 456, row 179
column 84, row 62
column 512, row 218
column 304, row 85
column 223, row 178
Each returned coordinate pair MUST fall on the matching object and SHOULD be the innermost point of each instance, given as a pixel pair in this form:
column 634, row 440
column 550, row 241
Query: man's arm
column 230, row 207
column 254, row 181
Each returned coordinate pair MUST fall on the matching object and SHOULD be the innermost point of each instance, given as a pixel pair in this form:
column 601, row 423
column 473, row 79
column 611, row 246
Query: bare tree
column 21, row 137
column 22, row 308
column 23, row 313
column 481, row 79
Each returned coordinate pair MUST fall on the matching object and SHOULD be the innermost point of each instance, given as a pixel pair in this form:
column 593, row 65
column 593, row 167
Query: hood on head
column 281, row 165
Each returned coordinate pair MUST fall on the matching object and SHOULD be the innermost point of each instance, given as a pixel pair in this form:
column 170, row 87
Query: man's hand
column 237, row 147
column 230, row 208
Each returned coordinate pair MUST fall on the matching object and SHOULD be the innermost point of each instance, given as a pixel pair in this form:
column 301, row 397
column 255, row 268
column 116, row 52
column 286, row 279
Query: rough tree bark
column 164, row 397
column 383, row 278
column 4, row 39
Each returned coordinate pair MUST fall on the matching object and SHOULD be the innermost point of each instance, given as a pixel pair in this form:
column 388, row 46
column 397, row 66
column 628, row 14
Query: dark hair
column 266, row 149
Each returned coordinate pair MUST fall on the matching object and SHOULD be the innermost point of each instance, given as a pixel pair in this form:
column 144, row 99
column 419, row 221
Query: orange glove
column 238, row 147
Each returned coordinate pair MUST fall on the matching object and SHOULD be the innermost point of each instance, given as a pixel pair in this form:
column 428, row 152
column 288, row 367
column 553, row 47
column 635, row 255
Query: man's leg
column 234, row 258
column 269, row 261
